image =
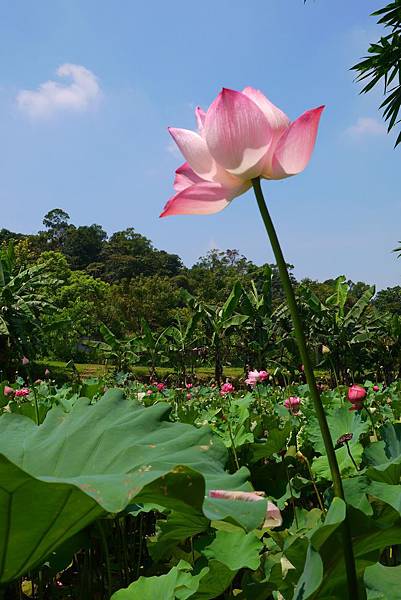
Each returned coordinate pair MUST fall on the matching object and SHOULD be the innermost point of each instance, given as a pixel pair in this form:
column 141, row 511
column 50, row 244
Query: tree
column 384, row 64
column 83, row 245
column 23, row 305
column 57, row 224
column 389, row 300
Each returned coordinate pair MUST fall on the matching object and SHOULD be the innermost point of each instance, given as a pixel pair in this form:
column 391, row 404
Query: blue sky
column 101, row 151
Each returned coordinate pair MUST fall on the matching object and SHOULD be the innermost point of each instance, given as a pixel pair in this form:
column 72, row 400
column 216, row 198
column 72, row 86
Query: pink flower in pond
column 241, row 136
column 160, row 387
column 356, row 394
column 253, row 378
column 25, row 361
column 149, row 392
column 226, row 388
column 188, row 386
column 22, row 392
column 256, row 376
column 273, row 516
column 47, row 373
column 376, row 388
column 263, row 375
column 7, row 391
column 292, row 404
column 189, row 396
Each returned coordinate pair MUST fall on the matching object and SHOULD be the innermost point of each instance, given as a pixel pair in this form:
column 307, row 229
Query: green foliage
column 93, row 460
column 22, row 304
column 384, row 64
column 177, row 583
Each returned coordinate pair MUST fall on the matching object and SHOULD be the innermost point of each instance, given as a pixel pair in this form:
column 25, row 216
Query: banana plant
column 341, row 333
column 262, row 332
column 151, row 346
column 219, row 322
column 121, row 353
column 23, row 302
column 180, row 341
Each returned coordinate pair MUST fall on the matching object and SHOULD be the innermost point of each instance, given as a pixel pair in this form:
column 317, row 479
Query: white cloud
column 52, row 97
column 173, row 149
column 366, row 126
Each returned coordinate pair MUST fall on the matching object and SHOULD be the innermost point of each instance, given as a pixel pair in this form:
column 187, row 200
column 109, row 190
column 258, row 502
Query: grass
column 87, row 370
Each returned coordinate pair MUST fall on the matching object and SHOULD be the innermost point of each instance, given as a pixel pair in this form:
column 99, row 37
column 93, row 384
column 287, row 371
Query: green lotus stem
column 106, row 555
column 35, row 396
column 312, row 478
column 372, row 422
column 230, row 432
column 310, row 378
column 351, row 457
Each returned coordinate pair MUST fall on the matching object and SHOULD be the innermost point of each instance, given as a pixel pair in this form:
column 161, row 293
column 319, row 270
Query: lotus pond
column 131, row 490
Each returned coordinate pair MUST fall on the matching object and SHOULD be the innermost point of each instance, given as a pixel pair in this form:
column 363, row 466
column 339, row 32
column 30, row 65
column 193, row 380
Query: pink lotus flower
column 149, row 392
column 226, row 388
column 22, row 392
column 7, row 391
column 376, row 388
column 356, row 393
column 47, row 373
column 160, row 387
column 188, row 386
column 263, row 375
column 241, row 136
column 273, row 515
column 189, row 396
column 293, row 403
column 255, row 376
column 25, row 361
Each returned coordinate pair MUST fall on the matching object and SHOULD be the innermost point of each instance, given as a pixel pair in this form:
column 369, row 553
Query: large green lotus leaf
column 235, row 549
column 340, row 421
column 383, row 583
column 97, row 459
column 177, row 583
column 370, row 537
column 178, row 526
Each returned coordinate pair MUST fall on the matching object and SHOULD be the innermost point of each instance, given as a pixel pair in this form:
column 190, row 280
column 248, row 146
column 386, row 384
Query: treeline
column 74, row 278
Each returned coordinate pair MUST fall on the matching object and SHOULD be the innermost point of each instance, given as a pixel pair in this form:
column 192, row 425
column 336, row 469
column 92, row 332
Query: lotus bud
column 356, row 394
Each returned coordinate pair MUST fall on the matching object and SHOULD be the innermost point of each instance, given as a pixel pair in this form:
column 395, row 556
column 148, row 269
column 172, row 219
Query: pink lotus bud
column 149, row 392
column 226, row 388
column 160, row 387
column 273, row 516
column 47, row 373
column 22, row 392
column 188, row 386
column 25, row 361
column 7, row 391
column 189, row 396
column 356, row 393
column 376, row 388
column 292, row 403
